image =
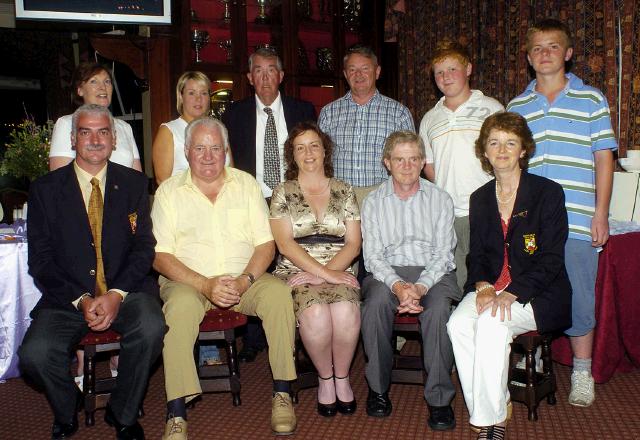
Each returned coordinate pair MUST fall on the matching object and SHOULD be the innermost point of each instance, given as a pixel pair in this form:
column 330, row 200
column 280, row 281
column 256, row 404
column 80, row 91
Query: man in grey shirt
column 408, row 245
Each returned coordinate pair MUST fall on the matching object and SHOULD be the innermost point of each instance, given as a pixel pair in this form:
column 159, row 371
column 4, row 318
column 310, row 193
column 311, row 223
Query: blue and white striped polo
column 567, row 133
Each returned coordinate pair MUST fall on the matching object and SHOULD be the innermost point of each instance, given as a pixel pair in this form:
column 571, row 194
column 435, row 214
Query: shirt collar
column 387, row 187
column 84, row 178
column 349, row 97
column 573, row 82
column 186, row 180
column 475, row 94
column 275, row 105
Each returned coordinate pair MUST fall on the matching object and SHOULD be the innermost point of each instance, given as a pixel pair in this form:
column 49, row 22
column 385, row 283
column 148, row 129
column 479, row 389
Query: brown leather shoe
column 175, row 429
column 283, row 418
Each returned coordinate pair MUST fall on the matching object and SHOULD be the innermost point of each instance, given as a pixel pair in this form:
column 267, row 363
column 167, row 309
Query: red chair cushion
column 219, row 319
column 96, row 338
column 406, row 319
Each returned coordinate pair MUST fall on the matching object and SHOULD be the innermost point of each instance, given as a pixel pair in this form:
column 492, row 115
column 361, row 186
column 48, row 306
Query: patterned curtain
column 606, row 53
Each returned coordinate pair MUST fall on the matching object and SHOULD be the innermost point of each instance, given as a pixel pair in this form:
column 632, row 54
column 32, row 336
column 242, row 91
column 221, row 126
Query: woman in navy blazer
column 517, row 280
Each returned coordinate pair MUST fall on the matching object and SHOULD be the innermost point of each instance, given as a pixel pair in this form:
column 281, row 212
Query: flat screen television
column 103, row 11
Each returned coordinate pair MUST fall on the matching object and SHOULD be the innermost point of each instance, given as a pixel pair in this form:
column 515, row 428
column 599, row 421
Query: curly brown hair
column 511, row 123
column 292, row 167
column 83, row 73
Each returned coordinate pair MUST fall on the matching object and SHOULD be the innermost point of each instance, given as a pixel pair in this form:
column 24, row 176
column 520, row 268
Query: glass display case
column 309, row 35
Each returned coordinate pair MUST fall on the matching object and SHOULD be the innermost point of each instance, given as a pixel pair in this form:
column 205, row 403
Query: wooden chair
column 407, row 369
column 220, row 325
column 96, row 391
column 528, row 386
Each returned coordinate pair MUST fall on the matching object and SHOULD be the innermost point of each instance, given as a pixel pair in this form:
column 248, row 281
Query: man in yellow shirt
column 213, row 247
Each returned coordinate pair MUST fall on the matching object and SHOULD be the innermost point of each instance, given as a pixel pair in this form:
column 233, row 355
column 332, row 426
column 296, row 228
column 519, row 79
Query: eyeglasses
column 213, row 149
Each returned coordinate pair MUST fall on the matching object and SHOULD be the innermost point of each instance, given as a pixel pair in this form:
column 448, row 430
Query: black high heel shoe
column 330, row 409
column 346, row 407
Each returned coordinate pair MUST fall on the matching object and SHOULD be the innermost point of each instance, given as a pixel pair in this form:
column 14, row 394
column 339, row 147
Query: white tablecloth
column 18, row 296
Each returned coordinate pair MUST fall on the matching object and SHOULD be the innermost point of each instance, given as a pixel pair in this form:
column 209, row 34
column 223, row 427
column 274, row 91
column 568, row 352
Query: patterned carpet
column 614, row 416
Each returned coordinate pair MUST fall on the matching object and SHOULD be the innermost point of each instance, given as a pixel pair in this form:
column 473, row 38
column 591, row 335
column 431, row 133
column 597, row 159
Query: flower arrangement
column 27, row 153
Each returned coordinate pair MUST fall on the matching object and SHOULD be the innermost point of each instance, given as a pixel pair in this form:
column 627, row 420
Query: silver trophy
column 324, row 59
column 227, row 10
column 262, row 12
column 351, row 12
column 199, row 39
column 227, row 45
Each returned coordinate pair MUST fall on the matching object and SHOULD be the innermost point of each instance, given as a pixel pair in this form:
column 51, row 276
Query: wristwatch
column 249, row 275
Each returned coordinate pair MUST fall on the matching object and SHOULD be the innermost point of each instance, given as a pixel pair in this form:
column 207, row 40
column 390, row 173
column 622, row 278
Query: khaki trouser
column 461, row 226
column 184, row 308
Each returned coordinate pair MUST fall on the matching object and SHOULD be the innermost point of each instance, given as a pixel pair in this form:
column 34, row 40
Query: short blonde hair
column 182, row 81
column 550, row 25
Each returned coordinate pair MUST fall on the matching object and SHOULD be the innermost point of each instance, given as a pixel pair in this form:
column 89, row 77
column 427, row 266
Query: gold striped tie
column 95, row 220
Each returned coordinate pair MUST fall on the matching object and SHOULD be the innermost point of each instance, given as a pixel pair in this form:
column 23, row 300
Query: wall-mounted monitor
column 103, row 11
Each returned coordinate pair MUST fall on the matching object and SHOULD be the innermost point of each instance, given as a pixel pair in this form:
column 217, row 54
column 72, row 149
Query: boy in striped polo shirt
column 574, row 146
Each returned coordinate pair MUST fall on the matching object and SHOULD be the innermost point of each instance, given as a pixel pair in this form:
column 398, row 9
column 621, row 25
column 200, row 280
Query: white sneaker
column 582, row 389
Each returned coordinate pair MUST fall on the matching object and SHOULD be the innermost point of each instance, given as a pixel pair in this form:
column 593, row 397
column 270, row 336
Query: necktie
column 95, row 220
column 271, row 153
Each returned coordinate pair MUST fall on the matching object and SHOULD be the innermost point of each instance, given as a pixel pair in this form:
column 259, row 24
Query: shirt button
column 506, row 244
column 92, row 272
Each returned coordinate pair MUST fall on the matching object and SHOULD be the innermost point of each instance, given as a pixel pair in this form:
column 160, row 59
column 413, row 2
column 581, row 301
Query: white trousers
column 481, row 349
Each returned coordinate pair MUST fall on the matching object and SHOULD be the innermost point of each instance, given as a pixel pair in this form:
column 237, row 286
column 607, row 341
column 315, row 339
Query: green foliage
column 27, row 153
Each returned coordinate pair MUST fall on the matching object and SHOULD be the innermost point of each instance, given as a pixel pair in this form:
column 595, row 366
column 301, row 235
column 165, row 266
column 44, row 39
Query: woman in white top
column 193, row 99
column 92, row 84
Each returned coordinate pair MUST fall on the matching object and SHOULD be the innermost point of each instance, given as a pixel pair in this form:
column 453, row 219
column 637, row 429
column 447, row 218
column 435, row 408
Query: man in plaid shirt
column 361, row 120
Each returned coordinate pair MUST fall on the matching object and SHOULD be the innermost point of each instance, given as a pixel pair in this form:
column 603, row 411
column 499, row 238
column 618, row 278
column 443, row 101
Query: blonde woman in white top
column 193, row 100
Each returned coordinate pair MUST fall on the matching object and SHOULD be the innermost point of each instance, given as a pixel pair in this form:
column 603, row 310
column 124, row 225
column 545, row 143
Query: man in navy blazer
column 246, row 121
column 64, row 265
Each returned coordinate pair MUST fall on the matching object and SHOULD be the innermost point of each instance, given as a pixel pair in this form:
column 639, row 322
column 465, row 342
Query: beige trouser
column 461, row 226
column 184, row 308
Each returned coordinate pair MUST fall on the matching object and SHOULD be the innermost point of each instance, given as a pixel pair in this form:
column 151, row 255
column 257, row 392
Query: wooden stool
column 96, row 392
column 407, row 368
column 220, row 325
column 528, row 386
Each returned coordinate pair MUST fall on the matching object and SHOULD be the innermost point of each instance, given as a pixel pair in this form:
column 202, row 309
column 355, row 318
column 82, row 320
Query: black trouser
column 51, row 341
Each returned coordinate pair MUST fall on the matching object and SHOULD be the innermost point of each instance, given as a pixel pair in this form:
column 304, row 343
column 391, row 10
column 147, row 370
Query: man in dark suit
column 248, row 122
column 90, row 258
